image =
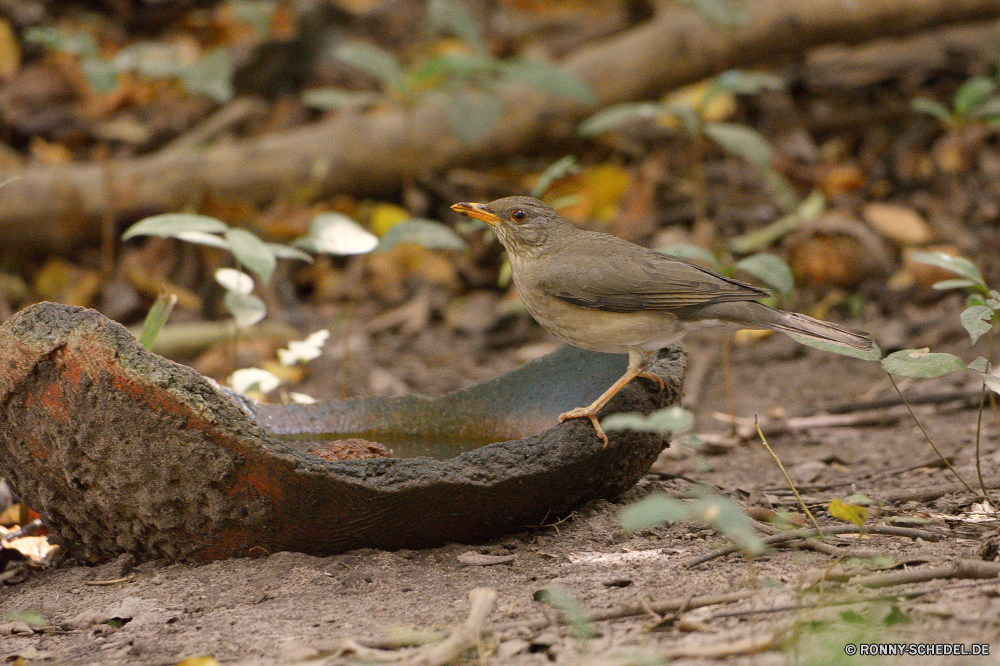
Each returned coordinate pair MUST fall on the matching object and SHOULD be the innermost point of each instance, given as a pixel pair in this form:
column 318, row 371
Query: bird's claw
column 654, row 377
column 583, row 412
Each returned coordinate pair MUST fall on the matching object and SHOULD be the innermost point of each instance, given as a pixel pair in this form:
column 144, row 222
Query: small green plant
column 980, row 317
column 210, row 75
column 329, row 233
column 977, row 100
column 467, row 80
column 734, row 138
column 703, row 506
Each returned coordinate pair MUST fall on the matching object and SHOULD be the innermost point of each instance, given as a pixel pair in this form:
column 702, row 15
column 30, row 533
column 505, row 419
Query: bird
column 603, row 293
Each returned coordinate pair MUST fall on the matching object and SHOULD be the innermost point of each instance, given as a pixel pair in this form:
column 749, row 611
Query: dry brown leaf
column 899, row 223
column 10, row 52
column 828, row 260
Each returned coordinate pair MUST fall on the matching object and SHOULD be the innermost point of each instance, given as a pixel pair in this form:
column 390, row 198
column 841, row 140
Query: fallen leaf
column 899, row 223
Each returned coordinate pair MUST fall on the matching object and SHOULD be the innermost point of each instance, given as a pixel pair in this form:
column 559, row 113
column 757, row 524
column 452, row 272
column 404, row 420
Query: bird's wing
column 624, row 277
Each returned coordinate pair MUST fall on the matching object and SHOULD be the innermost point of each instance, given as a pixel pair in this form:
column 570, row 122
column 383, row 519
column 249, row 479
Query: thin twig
column 926, row 436
column 795, row 535
column 110, row 581
column 788, row 479
column 673, row 605
column 935, row 398
column 979, row 418
column 933, row 492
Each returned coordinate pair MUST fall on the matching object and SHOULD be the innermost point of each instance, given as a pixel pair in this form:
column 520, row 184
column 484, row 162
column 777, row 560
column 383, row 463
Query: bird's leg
column 637, row 362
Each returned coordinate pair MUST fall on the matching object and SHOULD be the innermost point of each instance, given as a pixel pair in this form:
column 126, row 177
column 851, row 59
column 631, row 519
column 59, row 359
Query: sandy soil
column 290, row 608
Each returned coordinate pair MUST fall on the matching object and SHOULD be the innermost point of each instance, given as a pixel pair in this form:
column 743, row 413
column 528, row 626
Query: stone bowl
column 121, row 450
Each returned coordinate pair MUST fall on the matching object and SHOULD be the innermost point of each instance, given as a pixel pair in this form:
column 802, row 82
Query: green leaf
column 429, row 234
column 334, row 98
column 860, row 498
column 754, row 241
column 156, row 318
column 979, row 365
column 921, row 363
column 551, row 79
column 688, row 115
column 932, row 108
column 972, row 93
column 252, row 252
column 554, row 172
column 452, row 17
column 727, row 14
column 101, row 75
column 719, row 512
column 614, row 117
column 259, row 15
column 212, row 76
column 872, row 355
column 246, row 309
column 671, row 419
column 170, row 224
column 29, row 617
column 454, row 64
column 849, row 513
column 375, row 61
column 474, row 114
column 748, row 83
column 569, row 607
column 957, row 265
column 75, row 43
column 771, row 270
column 992, row 382
column 957, row 283
column 977, row 320
column 691, row 253
column 282, row 251
column 742, row 141
column 781, row 189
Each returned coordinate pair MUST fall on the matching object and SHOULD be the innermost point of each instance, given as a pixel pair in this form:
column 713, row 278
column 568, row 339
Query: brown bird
column 603, row 293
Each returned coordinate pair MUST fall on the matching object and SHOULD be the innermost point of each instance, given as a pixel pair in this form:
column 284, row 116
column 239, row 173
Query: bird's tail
column 756, row 315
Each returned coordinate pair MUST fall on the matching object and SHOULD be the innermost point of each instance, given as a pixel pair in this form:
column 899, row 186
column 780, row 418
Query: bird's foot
column 653, row 377
column 586, row 412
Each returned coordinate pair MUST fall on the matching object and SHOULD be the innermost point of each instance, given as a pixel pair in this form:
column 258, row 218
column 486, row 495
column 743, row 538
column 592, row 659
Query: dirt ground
column 290, row 608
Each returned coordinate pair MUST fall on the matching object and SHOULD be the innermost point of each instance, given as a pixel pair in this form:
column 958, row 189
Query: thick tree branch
column 365, row 153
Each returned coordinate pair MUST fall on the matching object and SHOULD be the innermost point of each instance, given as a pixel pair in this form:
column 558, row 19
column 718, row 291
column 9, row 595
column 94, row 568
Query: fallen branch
column 365, row 153
column 933, row 492
column 796, row 535
column 746, row 427
column 957, row 569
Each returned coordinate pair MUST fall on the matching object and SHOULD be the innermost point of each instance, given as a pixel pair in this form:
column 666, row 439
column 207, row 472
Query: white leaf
column 253, row 379
column 304, row 350
column 202, row 238
column 333, row 233
column 234, row 280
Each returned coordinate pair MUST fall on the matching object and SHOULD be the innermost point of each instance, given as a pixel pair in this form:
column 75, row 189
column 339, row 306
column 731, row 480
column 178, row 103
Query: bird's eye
column 518, row 215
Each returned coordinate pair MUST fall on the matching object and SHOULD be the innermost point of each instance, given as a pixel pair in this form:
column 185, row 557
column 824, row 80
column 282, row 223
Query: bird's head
column 522, row 224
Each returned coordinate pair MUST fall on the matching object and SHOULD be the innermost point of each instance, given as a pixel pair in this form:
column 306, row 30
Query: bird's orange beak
column 478, row 211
